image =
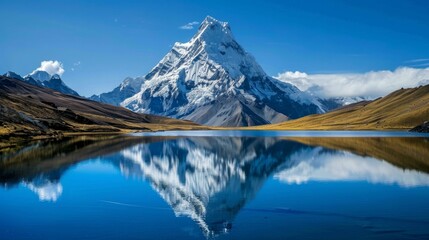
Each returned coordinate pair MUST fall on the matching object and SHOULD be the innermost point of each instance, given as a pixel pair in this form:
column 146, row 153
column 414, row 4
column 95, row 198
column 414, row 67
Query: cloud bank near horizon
column 371, row 84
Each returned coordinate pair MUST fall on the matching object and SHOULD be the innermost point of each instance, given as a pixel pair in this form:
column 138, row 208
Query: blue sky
column 106, row 41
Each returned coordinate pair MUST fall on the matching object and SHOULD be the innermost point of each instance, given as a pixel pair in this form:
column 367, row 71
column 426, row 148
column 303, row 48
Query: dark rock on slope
column 424, row 128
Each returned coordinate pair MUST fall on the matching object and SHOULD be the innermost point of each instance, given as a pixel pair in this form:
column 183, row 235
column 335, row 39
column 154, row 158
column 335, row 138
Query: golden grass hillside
column 27, row 110
column 400, row 110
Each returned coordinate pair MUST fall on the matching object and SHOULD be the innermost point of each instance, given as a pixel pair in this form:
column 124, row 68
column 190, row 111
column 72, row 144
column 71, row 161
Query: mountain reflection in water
column 210, row 179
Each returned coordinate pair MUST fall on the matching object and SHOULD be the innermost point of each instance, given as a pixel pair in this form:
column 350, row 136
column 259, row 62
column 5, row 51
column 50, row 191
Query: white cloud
column 51, row 67
column 76, row 64
column 370, row 84
column 321, row 166
column 189, row 26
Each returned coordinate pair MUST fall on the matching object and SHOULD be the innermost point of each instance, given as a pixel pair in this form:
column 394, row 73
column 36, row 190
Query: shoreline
column 15, row 139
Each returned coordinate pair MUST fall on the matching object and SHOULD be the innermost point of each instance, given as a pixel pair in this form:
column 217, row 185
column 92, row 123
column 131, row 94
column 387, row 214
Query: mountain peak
column 39, row 75
column 212, row 32
column 13, row 75
column 212, row 80
column 210, row 21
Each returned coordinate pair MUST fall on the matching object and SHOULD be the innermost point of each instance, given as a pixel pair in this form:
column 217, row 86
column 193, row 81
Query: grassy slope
column 21, row 105
column 402, row 110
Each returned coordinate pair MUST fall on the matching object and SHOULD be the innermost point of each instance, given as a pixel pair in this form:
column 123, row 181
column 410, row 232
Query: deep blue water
column 194, row 187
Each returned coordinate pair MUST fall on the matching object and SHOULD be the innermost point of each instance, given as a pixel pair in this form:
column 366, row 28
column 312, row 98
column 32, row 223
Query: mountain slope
column 44, row 79
column 212, row 80
column 30, row 110
column 128, row 88
column 402, row 109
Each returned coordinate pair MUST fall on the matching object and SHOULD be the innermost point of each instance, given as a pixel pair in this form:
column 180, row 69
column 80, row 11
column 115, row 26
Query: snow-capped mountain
column 337, row 102
column 212, row 80
column 39, row 75
column 44, row 79
column 343, row 101
column 128, row 87
column 57, row 84
column 14, row 75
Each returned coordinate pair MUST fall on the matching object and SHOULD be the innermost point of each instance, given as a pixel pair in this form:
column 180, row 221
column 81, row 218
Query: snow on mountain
column 128, row 87
column 349, row 100
column 212, row 80
column 336, row 102
column 57, row 84
column 14, row 75
column 39, row 75
column 44, row 79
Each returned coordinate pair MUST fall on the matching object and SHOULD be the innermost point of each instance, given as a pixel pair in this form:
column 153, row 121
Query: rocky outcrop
column 424, row 128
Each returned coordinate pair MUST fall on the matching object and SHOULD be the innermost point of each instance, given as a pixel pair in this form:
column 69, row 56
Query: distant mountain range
column 29, row 110
column 212, row 80
column 129, row 87
column 44, row 79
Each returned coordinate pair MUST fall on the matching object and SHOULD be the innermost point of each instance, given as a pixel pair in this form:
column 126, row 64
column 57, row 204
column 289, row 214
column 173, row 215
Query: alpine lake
column 218, row 185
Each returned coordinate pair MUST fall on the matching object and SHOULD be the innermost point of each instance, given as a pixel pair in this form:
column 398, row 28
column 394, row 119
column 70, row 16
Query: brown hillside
column 401, row 110
column 30, row 110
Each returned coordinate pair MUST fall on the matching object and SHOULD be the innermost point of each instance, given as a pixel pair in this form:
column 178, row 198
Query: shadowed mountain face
column 211, row 179
column 44, row 79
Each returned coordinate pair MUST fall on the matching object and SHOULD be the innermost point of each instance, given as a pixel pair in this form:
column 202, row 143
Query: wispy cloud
column 76, row 64
column 371, row 84
column 421, row 65
column 418, row 60
column 189, row 26
column 51, row 67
